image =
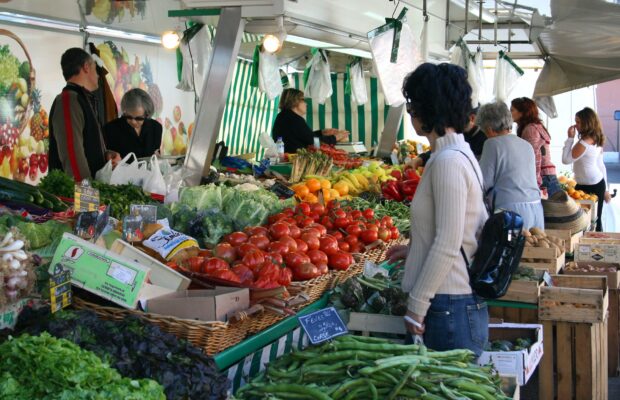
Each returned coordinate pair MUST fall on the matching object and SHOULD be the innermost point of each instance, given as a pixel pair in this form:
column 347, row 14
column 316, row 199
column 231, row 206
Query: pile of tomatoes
column 296, row 245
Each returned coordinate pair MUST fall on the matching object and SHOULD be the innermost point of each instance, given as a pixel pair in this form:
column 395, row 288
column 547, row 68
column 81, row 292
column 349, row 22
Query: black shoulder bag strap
column 490, row 211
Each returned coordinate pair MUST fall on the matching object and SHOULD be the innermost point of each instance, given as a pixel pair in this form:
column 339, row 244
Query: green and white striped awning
column 248, row 112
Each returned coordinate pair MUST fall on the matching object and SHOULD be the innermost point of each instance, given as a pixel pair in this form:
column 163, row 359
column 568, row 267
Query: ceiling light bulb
column 170, row 39
column 271, row 43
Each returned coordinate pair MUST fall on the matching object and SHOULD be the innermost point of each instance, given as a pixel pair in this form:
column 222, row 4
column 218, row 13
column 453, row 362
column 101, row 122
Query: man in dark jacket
column 76, row 141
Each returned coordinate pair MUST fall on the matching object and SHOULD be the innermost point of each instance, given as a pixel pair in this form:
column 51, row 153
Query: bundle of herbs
column 137, row 349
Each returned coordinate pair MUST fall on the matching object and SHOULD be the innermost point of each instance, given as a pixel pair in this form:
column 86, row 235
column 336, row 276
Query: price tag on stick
column 60, row 288
column 86, row 198
column 323, row 325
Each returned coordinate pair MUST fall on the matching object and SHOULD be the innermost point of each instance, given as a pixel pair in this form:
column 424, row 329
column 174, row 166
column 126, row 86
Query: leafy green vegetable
column 9, row 68
column 58, row 183
column 43, row 367
column 37, row 235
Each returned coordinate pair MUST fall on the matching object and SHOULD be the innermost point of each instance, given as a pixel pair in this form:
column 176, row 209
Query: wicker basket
column 212, row 336
column 314, row 288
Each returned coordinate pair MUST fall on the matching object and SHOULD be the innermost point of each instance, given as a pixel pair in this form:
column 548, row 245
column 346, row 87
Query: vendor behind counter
column 291, row 125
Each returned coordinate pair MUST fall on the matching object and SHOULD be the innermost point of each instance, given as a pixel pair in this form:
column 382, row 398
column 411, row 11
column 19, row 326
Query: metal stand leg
column 214, row 94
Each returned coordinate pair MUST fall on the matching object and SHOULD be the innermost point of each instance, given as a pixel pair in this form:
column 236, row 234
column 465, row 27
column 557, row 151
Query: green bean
column 293, row 366
column 289, row 388
column 362, row 339
column 346, row 355
column 414, row 348
column 347, row 386
column 456, row 371
column 402, row 382
column 386, row 375
column 471, row 395
column 449, row 393
column 472, row 387
column 406, row 359
column 431, row 396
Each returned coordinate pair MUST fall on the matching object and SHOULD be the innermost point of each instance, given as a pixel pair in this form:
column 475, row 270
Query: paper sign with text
column 323, row 325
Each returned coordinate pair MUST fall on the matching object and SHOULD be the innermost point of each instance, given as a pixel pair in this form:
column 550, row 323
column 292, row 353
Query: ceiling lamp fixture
column 272, row 42
column 170, row 39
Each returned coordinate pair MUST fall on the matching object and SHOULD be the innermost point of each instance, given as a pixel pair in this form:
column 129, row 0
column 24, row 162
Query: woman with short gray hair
column 508, row 165
column 135, row 131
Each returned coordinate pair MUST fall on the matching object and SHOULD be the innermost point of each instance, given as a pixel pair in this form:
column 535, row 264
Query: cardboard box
column 161, row 275
column 521, row 363
column 105, row 273
column 202, row 305
column 594, row 249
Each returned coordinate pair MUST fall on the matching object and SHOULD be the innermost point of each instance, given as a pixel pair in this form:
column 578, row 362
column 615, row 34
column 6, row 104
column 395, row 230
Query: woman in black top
column 291, row 125
column 134, row 131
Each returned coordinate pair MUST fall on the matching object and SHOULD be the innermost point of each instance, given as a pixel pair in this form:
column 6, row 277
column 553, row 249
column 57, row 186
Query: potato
column 544, row 244
column 526, row 233
column 539, row 236
column 537, row 232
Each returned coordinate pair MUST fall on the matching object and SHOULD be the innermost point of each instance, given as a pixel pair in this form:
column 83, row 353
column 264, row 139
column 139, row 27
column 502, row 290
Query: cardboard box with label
column 595, row 249
column 204, row 305
column 105, row 273
column 520, row 363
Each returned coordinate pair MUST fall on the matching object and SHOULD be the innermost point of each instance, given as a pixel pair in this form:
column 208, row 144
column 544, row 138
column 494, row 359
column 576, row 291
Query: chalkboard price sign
column 323, row 325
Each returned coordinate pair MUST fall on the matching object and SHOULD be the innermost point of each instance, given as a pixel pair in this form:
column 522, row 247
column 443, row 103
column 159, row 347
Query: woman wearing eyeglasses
column 134, row 132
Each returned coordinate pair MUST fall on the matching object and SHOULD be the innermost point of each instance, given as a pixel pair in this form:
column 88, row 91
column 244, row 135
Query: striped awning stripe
column 248, row 112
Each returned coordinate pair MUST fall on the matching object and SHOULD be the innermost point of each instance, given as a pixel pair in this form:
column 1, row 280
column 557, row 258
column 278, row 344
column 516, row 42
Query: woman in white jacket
column 587, row 157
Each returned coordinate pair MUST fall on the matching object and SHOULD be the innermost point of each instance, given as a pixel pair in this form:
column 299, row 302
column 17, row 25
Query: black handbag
column 500, row 247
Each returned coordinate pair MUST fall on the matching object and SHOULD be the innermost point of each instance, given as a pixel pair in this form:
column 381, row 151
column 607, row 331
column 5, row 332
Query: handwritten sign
column 323, row 325
column 60, row 288
column 86, row 198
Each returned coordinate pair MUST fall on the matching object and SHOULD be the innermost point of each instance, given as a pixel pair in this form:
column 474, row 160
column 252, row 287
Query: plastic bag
column 391, row 75
column 174, row 181
column 154, row 181
column 611, row 216
column 475, row 77
column 424, row 41
column 126, row 172
column 359, row 94
column 319, row 84
column 269, row 81
column 271, row 150
column 507, row 73
column 196, row 54
column 105, row 173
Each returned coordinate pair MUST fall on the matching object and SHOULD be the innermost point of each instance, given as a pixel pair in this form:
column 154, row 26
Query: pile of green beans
column 356, row 367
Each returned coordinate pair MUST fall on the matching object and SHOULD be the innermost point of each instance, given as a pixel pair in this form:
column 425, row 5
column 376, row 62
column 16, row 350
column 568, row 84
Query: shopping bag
column 319, row 84
column 105, row 173
column 269, row 81
column 507, row 73
column 129, row 172
column 359, row 94
column 611, row 216
column 154, row 181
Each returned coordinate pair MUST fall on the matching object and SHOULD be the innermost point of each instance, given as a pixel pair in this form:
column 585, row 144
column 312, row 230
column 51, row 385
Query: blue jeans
column 551, row 183
column 456, row 322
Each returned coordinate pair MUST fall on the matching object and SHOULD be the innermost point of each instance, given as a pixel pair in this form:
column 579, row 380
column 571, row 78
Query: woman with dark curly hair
column 447, row 214
column 587, row 157
column 530, row 127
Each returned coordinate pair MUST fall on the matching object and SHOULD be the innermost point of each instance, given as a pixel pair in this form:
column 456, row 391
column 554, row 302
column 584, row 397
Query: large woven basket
column 314, row 288
column 211, row 336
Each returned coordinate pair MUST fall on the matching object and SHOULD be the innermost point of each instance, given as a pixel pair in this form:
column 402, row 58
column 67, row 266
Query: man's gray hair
column 136, row 98
column 496, row 116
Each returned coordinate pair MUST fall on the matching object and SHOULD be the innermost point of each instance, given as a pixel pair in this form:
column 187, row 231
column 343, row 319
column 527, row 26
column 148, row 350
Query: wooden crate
column 613, row 323
column 523, row 291
column 574, row 364
column 591, row 207
column 550, row 260
column 574, row 298
column 514, row 314
column 570, row 238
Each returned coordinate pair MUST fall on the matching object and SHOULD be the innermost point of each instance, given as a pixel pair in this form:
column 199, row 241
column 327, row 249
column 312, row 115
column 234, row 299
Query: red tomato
column 384, row 234
column 303, row 208
column 226, row 275
column 394, row 232
column 315, row 216
column 244, row 249
column 236, row 238
column 260, row 241
column 372, row 227
column 290, row 242
column 339, row 214
column 256, row 230
column 311, row 240
column 226, row 252
column 341, row 222
column 322, row 267
column 322, row 229
column 278, row 230
column 270, row 271
column 356, row 214
column 333, row 204
column 301, row 245
column 254, row 259
column 328, row 244
column 356, row 248
column 344, row 246
column 318, row 208
column 354, row 229
column 368, row 213
column 213, row 264
column 295, row 232
column 317, row 257
column 311, row 231
column 289, row 220
column 295, row 259
column 305, row 271
column 352, row 240
column 340, row 260
column 307, row 221
column 265, row 283
column 278, row 247
column 285, row 276
column 275, row 218
column 275, row 258
column 288, row 211
column 337, row 234
column 245, row 274
column 387, row 221
column 326, row 222
column 368, row 236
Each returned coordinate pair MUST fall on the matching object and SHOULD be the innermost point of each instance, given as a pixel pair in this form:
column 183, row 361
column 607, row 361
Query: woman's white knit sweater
column 447, row 212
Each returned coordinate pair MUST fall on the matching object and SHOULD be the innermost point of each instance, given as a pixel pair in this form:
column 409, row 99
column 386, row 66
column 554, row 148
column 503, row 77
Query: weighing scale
column 352, row 147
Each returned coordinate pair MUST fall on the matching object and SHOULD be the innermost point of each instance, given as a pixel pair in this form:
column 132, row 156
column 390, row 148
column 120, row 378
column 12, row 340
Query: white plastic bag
column 266, row 141
column 154, row 181
column 611, row 216
column 391, row 75
column 269, row 81
column 186, row 83
column 424, row 42
column 105, row 173
column 319, row 85
column 129, row 172
column 359, row 94
column 196, row 56
column 506, row 76
column 475, row 77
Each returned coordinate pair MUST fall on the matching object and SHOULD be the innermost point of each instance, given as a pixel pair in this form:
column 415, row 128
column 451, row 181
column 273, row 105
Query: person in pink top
column 530, row 128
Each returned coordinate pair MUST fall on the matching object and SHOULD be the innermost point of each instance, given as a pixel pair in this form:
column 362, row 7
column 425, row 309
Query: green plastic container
column 284, row 169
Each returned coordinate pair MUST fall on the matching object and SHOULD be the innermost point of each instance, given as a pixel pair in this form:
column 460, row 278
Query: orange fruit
column 310, row 198
column 342, row 188
column 301, row 190
column 326, row 195
column 313, row 184
column 334, row 194
column 325, row 184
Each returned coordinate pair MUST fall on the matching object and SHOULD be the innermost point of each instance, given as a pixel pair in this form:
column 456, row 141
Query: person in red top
column 530, row 128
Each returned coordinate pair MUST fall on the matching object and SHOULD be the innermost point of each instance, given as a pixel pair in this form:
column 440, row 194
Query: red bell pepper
column 409, row 187
column 391, row 192
column 397, row 174
column 411, row 175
